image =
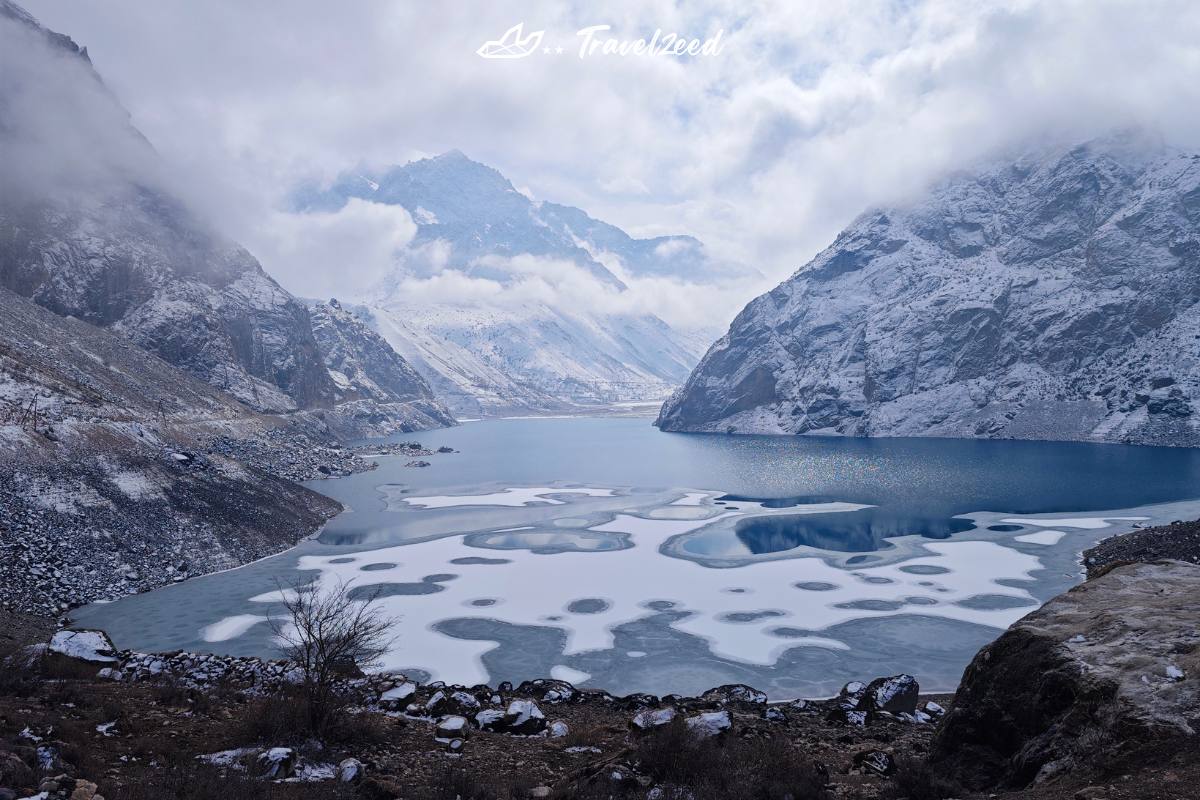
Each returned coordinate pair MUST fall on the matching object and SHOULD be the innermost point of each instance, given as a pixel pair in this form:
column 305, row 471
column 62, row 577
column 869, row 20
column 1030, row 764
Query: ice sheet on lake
column 1077, row 522
column 507, row 497
column 1046, row 537
column 750, row 614
column 230, row 627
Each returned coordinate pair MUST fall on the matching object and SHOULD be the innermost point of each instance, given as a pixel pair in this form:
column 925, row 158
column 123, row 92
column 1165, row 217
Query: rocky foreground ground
column 1093, row 696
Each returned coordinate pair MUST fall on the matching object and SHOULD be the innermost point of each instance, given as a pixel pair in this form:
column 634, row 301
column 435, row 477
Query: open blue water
column 642, row 561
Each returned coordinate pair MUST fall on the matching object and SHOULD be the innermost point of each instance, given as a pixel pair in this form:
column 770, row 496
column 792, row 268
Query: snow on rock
column 86, row 645
column 524, row 717
column 710, row 723
column 1055, row 295
column 645, row 720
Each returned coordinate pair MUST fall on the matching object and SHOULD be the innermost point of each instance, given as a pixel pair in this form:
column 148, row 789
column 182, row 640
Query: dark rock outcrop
column 1055, row 295
column 1101, row 673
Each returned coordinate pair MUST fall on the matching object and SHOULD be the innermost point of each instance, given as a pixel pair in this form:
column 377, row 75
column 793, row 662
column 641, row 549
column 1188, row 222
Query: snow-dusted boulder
column 710, row 723
column 645, row 720
column 92, row 646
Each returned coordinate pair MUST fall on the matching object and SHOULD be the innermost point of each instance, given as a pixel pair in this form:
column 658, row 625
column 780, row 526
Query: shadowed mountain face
column 1054, row 296
column 89, row 229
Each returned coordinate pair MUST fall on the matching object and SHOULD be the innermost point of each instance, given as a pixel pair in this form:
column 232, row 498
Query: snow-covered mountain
column 514, row 351
column 90, row 229
column 1054, row 295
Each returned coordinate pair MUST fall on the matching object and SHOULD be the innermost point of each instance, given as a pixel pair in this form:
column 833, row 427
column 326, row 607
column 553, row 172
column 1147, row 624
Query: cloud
column 626, row 184
column 339, row 254
column 812, row 112
column 565, row 286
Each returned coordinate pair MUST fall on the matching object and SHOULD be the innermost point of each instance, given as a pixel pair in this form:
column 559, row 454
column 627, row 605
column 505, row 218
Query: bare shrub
column 329, row 635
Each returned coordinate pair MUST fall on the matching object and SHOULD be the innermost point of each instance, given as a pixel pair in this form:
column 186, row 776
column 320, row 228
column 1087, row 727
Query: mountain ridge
column 1052, row 296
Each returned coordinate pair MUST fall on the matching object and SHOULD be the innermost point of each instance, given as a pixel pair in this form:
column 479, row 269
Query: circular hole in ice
column 816, row 586
column 469, row 560
column 926, row 583
column 440, row 577
column 920, row 601
column 660, row 605
column 588, row 605
column 482, row 602
column 1006, row 528
column 923, row 569
column 377, row 567
column 736, row 590
column 342, row 560
column 861, row 559
column 876, row 579
column 552, row 618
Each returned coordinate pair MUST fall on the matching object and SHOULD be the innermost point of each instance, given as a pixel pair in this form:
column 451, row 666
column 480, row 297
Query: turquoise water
column 673, row 574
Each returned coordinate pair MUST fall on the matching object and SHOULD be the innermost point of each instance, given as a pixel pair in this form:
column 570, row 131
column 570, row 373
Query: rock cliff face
column 88, row 229
column 1052, row 296
column 1102, row 675
column 377, row 392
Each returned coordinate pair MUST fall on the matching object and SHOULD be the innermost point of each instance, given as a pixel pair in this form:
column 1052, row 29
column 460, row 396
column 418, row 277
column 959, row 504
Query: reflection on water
column 845, row 532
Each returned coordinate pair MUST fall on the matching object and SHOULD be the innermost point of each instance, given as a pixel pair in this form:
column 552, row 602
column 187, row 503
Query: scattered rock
column 351, row 770
column 278, row 763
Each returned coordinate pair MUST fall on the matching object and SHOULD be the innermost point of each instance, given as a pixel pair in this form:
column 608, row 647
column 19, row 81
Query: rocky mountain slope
column 1054, row 295
column 522, row 352
column 90, row 229
column 108, row 480
column 376, row 392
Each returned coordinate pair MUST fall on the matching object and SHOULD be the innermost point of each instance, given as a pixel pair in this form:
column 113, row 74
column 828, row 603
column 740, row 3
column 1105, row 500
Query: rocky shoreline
column 1092, row 696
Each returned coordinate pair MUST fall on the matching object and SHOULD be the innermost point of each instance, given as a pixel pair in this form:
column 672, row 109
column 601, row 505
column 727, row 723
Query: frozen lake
column 604, row 552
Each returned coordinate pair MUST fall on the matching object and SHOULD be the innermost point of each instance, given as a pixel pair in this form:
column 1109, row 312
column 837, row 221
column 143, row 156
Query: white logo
column 512, row 45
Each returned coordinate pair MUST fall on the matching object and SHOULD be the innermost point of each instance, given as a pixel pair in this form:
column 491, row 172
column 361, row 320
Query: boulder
column 523, row 718
column 558, row 729
column 896, row 695
column 92, row 646
column 1081, row 682
column 452, row 727
column 490, row 719
column 652, row 718
column 351, row 770
column 709, row 724
column 394, row 699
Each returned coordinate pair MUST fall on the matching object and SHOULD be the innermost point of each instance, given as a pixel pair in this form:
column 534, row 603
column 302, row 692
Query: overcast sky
column 811, row 112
